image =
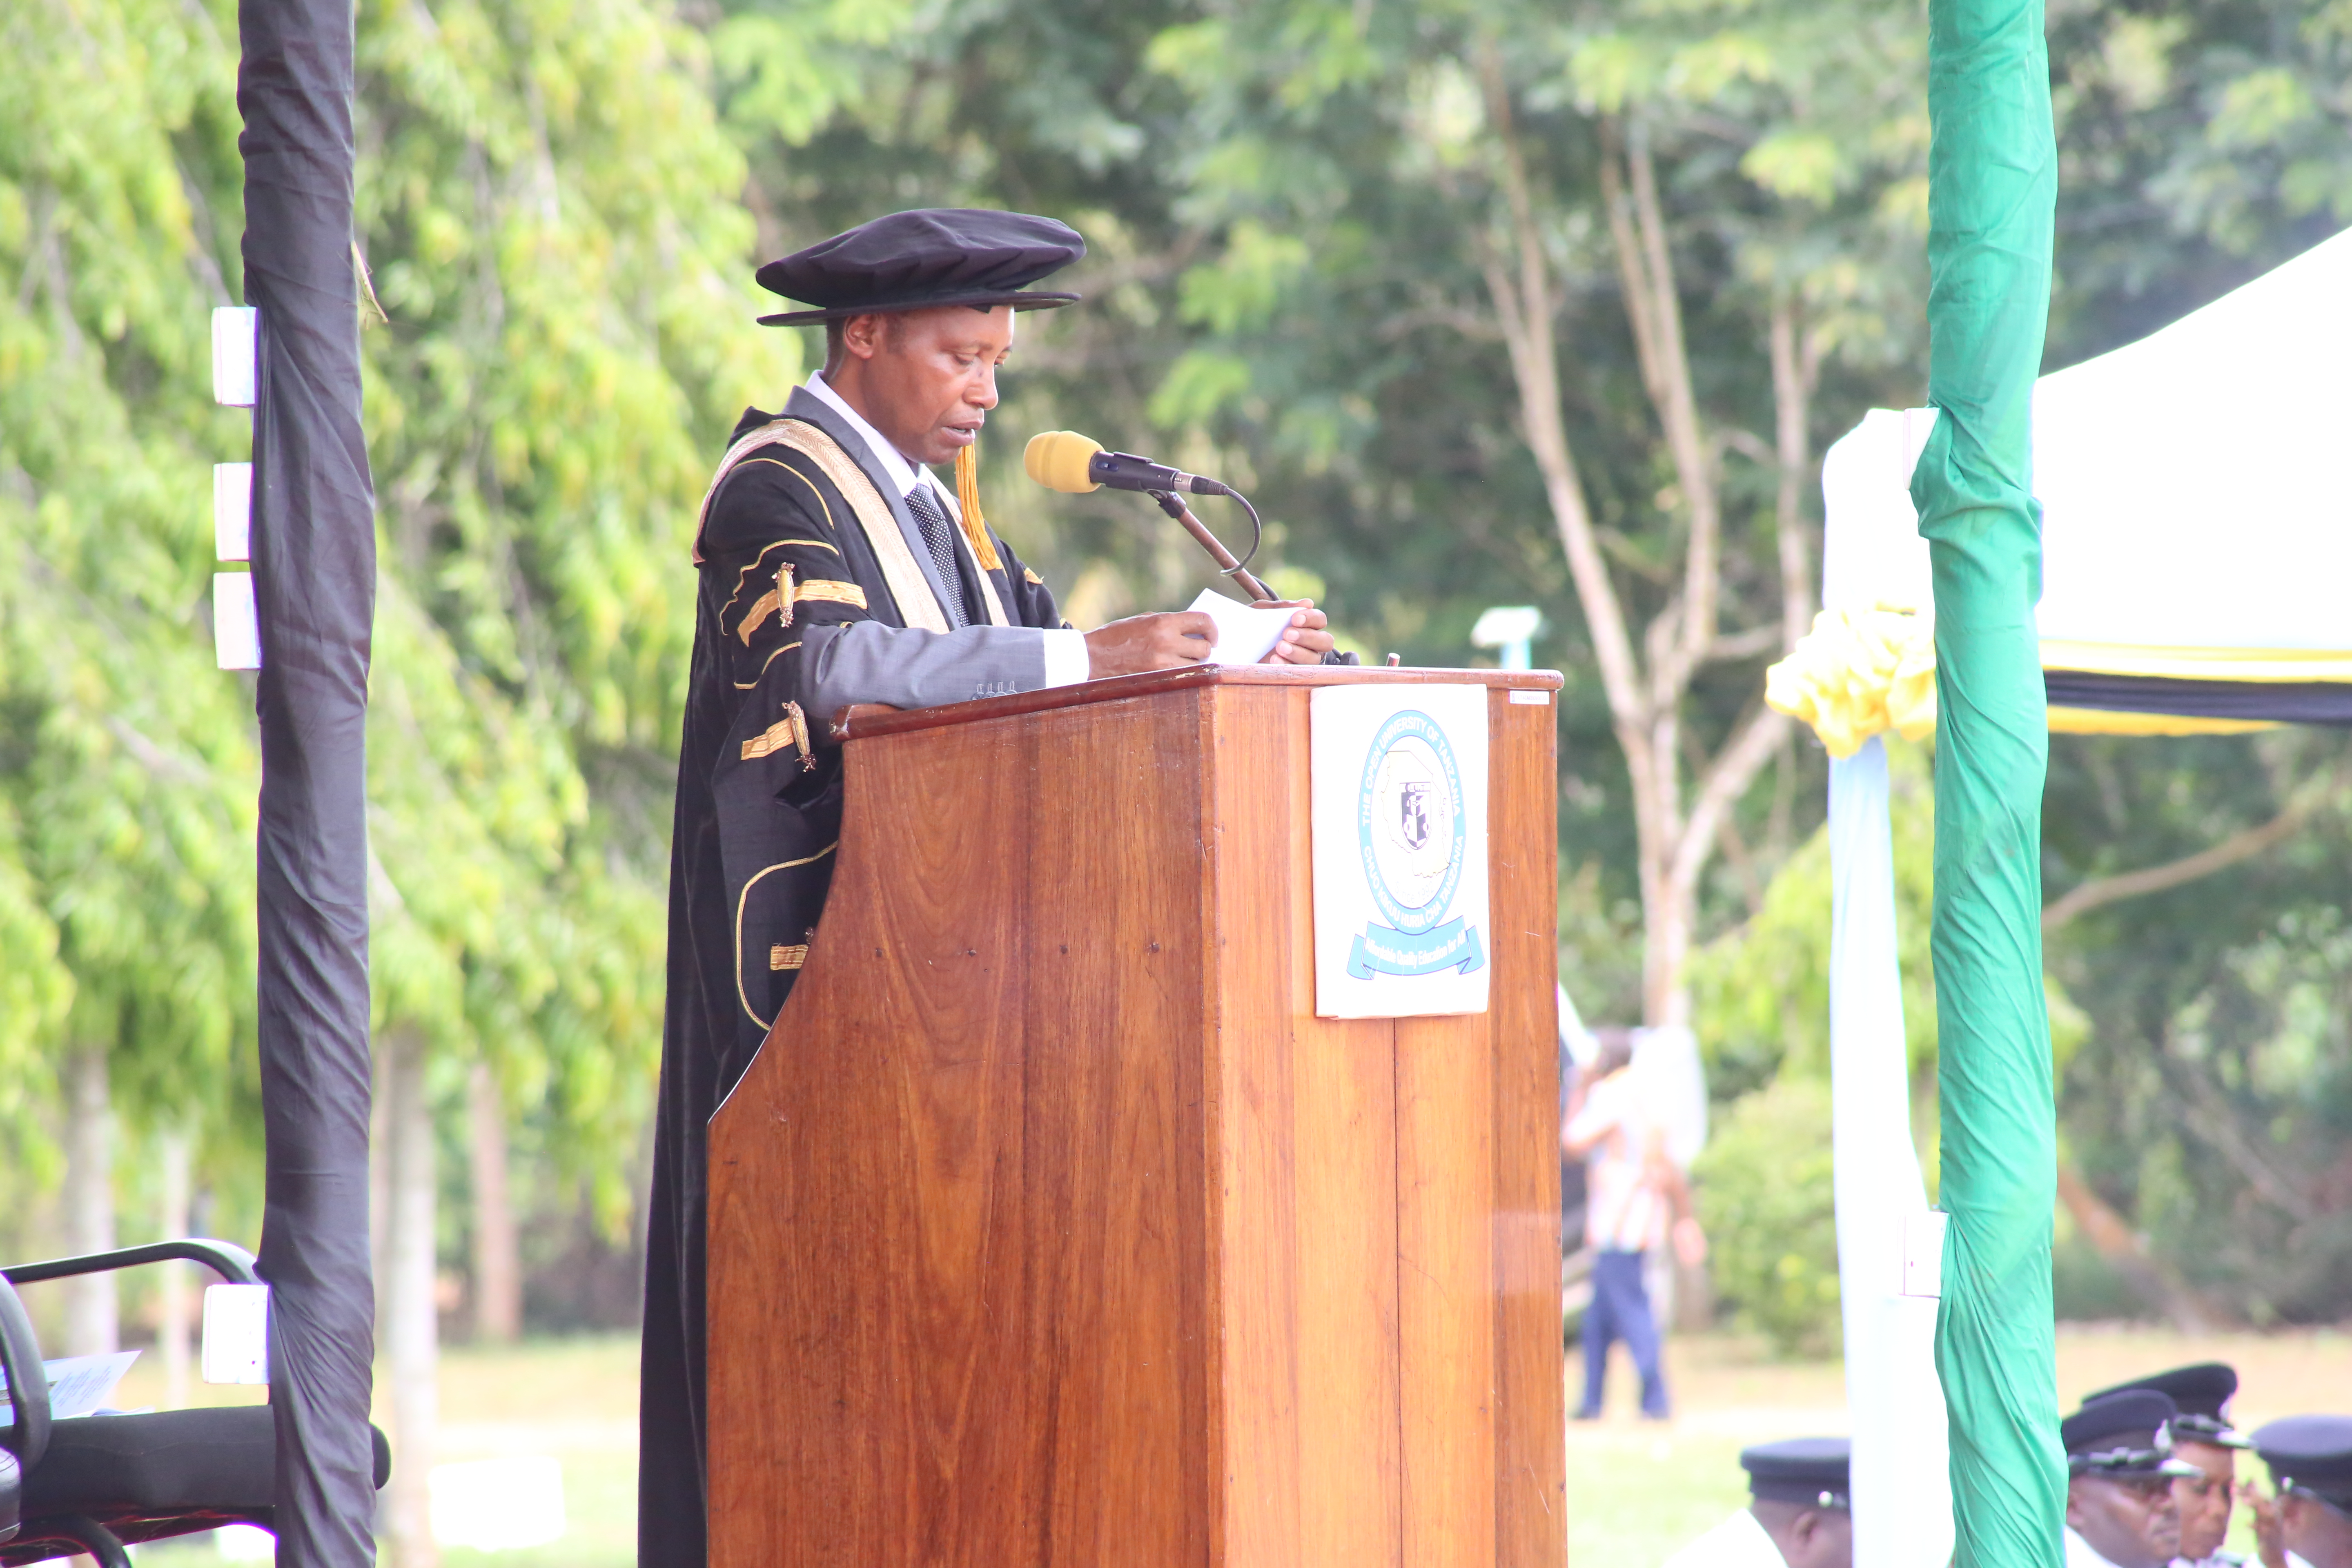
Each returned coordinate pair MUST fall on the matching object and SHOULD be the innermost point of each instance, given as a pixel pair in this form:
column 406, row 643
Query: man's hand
column 2270, row 1530
column 1690, row 1242
column 1169, row 640
column 1303, row 641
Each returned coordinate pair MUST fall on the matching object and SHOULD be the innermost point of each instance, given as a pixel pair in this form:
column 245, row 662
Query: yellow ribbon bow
column 1857, row 674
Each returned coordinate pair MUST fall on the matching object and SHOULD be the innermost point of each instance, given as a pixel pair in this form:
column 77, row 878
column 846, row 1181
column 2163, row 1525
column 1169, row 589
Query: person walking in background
column 1635, row 1197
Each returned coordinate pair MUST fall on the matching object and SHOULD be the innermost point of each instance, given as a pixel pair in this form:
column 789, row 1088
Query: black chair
column 92, row 1483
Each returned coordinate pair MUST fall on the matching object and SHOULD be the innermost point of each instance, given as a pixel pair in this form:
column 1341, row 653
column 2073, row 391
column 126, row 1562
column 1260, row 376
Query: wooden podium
column 1051, row 1227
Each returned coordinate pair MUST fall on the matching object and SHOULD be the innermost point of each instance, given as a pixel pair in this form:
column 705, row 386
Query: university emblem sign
column 1413, row 831
column 1398, row 786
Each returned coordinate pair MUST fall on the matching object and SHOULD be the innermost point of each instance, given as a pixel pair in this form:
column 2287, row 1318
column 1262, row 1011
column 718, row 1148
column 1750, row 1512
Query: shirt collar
column 905, row 475
column 2081, row 1554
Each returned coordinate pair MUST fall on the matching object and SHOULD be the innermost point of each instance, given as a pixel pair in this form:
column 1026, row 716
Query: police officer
column 2203, row 1438
column 2120, row 1512
column 2310, row 1459
column 1797, row 1513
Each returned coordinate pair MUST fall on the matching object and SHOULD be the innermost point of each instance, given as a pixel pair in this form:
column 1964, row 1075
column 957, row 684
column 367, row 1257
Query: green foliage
column 127, row 772
column 1760, row 993
column 36, row 988
column 1764, row 1195
column 549, row 207
column 2209, row 1097
column 1290, row 205
column 551, row 214
column 2199, row 144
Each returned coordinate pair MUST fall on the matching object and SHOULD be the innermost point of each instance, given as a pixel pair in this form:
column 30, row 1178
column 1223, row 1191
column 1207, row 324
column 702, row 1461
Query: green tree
column 126, row 777
column 1665, row 223
column 552, row 220
column 2201, row 142
column 2208, row 1107
column 1761, row 990
column 1766, row 1197
column 550, row 216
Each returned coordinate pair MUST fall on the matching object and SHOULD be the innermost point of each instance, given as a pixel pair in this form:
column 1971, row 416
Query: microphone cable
column 1258, row 531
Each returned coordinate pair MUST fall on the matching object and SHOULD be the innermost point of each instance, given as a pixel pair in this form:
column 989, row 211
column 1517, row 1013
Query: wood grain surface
column 1522, row 1019
column 1051, row 1227
column 867, row 720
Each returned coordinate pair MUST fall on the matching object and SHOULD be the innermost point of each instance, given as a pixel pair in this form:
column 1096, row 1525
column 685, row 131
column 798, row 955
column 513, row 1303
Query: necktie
column 939, row 537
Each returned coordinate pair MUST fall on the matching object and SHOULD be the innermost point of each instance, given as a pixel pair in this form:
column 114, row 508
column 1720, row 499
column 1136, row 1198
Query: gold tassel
column 975, row 527
column 799, row 722
column 793, row 731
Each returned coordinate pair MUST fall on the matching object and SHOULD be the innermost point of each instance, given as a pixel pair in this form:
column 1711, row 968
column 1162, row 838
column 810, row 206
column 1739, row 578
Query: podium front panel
column 1051, row 1227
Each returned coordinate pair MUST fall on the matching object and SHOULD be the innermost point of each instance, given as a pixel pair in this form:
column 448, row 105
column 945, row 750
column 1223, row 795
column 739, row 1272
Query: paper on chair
column 78, row 1383
column 1245, row 635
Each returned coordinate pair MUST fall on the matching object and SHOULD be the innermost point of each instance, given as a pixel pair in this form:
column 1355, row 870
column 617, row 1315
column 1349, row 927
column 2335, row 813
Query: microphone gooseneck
column 1237, row 570
column 1126, row 471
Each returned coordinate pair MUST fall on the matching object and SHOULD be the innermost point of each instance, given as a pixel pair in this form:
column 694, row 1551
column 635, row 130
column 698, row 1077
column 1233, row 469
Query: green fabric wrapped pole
column 1992, row 190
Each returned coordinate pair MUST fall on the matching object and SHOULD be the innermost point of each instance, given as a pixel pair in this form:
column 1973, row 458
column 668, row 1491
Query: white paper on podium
column 78, row 1383
column 1245, row 635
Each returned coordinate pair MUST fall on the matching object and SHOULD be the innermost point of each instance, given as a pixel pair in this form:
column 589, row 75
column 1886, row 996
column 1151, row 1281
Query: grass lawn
column 1637, row 1490
column 575, row 1400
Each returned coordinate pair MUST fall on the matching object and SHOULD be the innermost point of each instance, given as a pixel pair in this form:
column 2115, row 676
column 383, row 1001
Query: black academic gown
column 758, row 814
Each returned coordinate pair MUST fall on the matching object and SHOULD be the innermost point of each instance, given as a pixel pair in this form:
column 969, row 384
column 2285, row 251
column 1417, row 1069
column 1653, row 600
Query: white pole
column 1871, row 553
column 1894, row 1404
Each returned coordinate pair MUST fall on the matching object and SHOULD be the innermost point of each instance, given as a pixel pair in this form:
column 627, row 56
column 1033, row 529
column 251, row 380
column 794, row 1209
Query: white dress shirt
column 1737, row 1542
column 2081, row 1554
column 1066, row 659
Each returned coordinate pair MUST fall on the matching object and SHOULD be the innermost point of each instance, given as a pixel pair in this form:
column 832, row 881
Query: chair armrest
column 225, row 1259
column 26, row 1434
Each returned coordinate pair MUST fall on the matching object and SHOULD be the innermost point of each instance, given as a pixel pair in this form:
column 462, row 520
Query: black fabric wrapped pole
column 314, row 582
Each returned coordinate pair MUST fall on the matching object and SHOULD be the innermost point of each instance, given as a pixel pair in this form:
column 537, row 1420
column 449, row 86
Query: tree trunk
column 92, row 1327
column 175, row 1330
column 412, row 1324
column 2243, row 845
column 498, row 1259
column 1795, row 370
column 2113, row 1238
column 1676, row 832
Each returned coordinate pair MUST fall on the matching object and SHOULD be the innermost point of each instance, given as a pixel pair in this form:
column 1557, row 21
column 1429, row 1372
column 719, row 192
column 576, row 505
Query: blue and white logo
column 1413, row 832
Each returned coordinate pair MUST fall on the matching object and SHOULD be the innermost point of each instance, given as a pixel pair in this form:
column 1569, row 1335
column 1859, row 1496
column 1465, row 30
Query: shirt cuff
column 1067, row 662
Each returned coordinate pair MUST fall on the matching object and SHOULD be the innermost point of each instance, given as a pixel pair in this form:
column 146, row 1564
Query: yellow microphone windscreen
column 1058, row 460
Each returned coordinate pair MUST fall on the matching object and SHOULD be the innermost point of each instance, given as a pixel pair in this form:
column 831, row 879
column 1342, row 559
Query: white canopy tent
column 2197, row 577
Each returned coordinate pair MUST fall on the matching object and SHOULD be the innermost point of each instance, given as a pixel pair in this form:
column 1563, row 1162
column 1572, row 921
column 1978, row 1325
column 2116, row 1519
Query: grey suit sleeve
column 865, row 661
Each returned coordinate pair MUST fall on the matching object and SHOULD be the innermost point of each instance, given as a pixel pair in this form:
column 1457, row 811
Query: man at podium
column 835, row 568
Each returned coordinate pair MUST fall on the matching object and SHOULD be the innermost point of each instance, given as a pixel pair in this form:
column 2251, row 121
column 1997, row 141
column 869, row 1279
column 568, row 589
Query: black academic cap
column 2310, row 1453
column 2202, row 1392
column 2123, row 1435
column 1809, row 1470
column 916, row 260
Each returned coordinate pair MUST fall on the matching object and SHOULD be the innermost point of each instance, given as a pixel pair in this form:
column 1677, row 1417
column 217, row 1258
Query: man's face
column 926, row 379
column 2320, row 1535
column 2204, row 1500
column 2133, row 1523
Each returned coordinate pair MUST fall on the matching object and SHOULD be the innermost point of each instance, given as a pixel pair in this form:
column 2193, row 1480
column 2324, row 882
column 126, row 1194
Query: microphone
column 1067, row 461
